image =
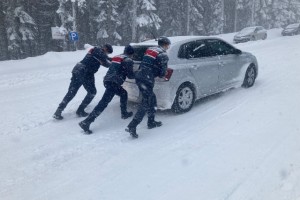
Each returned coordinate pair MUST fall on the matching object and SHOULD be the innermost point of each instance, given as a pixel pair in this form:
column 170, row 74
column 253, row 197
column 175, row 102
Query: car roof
column 295, row 24
column 174, row 40
column 251, row 27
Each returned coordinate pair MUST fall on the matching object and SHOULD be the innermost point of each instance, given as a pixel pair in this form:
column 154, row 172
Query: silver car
column 251, row 34
column 198, row 67
column 292, row 29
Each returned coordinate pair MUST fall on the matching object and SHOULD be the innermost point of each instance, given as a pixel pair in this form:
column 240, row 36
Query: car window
column 139, row 52
column 195, row 49
column 247, row 30
column 219, row 47
column 292, row 26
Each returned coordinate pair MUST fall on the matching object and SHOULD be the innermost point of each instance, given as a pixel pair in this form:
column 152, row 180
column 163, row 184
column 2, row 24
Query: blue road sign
column 73, row 36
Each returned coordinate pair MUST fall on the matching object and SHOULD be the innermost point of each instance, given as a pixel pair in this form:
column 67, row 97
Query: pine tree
column 21, row 30
column 196, row 18
column 213, row 22
column 65, row 14
column 285, row 12
column 14, row 48
column 262, row 13
column 127, row 10
column 46, row 17
column 108, row 22
column 27, row 29
column 83, row 24
column 148, row 22
column 173, row 17
column 243, row 17
column 3, row 36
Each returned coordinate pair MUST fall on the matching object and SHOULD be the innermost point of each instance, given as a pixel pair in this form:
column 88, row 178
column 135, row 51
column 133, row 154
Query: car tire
column 185, row 98
column 253, row 38
column 250, row 77
column 265, row 36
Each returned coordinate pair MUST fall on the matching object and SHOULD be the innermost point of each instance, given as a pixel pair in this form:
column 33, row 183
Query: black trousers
column 111, row 90
column 147, row 105
column 78, row 79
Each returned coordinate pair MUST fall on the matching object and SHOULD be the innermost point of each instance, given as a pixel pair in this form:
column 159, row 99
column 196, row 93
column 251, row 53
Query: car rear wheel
column 250, row 77
column 265, row 36
column 185, row 98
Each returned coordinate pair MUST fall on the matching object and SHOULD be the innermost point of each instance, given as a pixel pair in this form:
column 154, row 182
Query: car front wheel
column 184, row 99
column 250, row 77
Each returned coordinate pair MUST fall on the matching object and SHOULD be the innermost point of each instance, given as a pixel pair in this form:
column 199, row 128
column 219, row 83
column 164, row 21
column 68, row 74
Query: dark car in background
column 292, row 29
column 251, row 34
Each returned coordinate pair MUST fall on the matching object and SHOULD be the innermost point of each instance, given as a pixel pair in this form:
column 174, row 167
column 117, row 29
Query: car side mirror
column 237, row 52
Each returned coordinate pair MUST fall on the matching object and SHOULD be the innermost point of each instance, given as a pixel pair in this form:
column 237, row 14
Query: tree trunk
column 3, row 35
column 188, row 17
column 133, row 18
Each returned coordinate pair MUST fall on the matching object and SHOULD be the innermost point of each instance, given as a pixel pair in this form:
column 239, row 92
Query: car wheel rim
column 185, row 98
column 251, row 76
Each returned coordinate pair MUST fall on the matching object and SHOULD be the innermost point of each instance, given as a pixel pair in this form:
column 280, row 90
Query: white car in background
column 251, row 34
column 198, row 67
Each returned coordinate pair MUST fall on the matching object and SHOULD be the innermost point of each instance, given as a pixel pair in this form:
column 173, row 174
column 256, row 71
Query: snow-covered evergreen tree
column 21, row 30
column 263, row 13
column 286, row 12
column 108, row 22
column 173, row 17
column 65, row 14
column 212, row 16
column 148, row 22
column 46, row 17
column 243, row 14
column 3, row 36
column 196, row 26
column 127, row 16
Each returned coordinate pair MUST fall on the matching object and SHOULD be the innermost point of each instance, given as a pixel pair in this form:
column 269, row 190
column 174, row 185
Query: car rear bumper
column 162, row 89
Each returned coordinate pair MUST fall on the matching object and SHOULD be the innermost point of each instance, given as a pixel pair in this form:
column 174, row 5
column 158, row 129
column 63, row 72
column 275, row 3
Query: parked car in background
column 292, row 29
column 198, row 67
column 251, row 34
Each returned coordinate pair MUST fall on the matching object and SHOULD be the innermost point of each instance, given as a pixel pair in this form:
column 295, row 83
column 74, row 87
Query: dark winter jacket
column 93, row 59
column 120, row 68
column 154, row 64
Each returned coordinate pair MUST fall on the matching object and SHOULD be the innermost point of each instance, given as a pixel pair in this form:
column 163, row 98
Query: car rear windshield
column 291, row 26
column 139, row 52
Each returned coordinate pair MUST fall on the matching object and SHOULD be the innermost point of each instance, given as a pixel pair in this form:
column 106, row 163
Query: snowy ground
column 238, row 145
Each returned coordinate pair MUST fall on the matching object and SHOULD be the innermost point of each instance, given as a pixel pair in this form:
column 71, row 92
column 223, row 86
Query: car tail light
column 168, row 74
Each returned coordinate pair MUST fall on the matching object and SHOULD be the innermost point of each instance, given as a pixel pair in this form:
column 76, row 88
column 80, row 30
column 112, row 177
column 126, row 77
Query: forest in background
column 25, row 25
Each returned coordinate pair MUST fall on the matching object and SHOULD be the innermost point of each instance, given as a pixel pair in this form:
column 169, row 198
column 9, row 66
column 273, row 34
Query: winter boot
column 132, row 131
column 85, row 127
column 57, row 114
column 126, row 114
column 81, row 113
column 131, row 128
column 152, row 123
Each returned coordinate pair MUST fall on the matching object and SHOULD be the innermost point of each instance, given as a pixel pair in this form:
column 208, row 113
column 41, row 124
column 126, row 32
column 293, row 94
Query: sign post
column 73, row 36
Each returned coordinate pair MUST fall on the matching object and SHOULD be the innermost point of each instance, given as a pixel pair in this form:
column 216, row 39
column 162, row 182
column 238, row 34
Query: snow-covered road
column 239, row 145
